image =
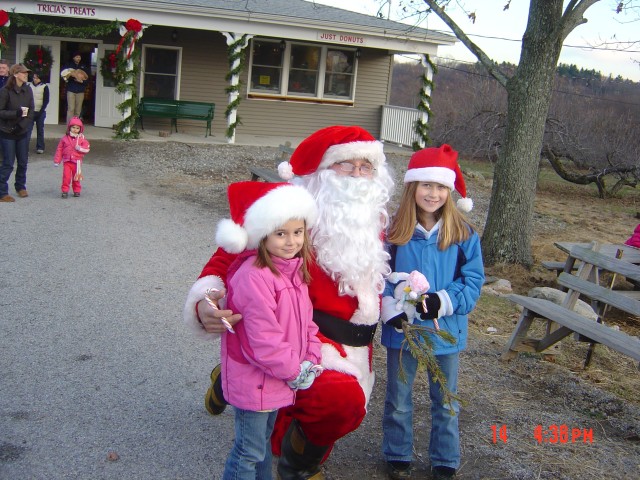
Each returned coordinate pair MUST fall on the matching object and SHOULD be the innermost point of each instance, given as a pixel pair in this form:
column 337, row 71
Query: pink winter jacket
column 71, row 149
column 634, row 240
column 275, row 335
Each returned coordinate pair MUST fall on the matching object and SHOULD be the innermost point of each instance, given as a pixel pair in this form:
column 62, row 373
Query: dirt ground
column 512, row 398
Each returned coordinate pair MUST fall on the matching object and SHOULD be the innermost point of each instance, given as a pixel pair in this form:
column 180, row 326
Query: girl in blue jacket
column 429, row 234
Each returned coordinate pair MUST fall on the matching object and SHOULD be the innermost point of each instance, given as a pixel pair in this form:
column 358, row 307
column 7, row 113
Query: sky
column 603, row 27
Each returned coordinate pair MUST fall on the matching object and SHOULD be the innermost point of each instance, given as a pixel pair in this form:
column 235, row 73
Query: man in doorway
column 76, row 74
column 4, row 72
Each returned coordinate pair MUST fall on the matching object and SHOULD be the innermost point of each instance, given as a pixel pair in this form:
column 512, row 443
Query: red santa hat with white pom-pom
column 439, row 165
column 331, row 145
column 258, row 209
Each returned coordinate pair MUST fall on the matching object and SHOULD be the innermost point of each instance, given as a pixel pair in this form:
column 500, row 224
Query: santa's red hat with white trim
column 258, row 209
column 439, row 165
column 331, row 145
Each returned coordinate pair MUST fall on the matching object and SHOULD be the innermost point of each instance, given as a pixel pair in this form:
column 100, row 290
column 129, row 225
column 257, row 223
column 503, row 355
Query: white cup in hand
column 25, row 111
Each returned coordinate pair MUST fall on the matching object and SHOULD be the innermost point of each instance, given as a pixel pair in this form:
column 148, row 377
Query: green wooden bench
column 270, row 175
column 175, row 110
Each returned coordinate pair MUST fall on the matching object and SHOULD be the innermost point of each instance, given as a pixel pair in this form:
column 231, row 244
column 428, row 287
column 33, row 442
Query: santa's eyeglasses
column 348, row 167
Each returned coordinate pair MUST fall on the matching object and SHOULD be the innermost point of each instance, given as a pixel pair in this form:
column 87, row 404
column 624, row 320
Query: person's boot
column 214, row 400
column 300, row 459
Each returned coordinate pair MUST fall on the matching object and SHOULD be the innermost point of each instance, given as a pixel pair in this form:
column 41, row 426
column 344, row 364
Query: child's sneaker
column 76, row 194
column 214, row 400
column 65, row 194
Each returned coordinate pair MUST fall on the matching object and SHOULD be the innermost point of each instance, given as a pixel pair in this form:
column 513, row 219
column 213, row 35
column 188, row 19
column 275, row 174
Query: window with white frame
column 302, row 70
column 160, row 67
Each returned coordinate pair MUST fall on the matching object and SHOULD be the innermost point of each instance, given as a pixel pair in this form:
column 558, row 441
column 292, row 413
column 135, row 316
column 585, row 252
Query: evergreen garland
column 235, row 51
column 126, row 128
column 51, row 29
column 422, row 127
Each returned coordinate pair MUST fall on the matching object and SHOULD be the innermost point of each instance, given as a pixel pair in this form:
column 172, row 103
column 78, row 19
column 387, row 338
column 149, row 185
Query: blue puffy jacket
column 458, row 271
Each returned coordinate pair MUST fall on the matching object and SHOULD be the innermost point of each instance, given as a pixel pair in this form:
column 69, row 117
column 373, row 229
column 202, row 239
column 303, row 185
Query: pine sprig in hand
column 420, row 345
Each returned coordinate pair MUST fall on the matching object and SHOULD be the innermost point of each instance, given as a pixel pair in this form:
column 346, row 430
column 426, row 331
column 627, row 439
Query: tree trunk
column 507, row 233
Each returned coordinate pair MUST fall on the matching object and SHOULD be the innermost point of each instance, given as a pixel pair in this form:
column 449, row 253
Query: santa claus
column 344, row 168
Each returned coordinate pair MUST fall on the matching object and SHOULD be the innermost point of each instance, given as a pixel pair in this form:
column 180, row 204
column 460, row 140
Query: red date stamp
column 553, row 434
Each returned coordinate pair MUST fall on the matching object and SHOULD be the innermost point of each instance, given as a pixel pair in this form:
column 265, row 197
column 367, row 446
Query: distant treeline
column 594, row 120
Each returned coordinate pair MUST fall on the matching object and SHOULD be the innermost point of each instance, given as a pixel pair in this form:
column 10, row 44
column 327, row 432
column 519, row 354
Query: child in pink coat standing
column 71, row 150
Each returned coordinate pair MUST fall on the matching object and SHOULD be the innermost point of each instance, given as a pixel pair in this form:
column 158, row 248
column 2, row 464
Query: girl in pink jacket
column 71, row 150
column 274, row 350
column 634, row 240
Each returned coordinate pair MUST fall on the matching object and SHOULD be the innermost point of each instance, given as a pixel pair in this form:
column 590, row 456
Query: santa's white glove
column 56, row 164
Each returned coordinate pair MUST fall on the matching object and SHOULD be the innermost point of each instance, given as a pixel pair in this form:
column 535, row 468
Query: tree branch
column 574, row 15
column 490, row 65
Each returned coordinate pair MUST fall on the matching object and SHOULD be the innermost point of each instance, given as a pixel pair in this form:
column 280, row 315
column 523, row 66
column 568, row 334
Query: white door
column 25, row 42
column 107, row 98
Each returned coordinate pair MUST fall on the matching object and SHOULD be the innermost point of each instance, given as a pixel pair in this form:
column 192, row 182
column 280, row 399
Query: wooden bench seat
column 569, row 322
column 267, row 174
column 271, row 175
column 616, row 299
column 555, row 266
column 176, row 109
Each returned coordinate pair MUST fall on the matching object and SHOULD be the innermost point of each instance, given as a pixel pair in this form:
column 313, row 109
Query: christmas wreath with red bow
column 110, row 69
column 39, row 59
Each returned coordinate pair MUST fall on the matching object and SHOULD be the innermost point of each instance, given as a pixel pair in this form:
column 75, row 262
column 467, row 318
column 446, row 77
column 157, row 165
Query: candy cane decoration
column 132, row 31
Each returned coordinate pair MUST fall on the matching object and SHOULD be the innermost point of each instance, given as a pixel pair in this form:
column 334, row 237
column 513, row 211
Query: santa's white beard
column 346, row 237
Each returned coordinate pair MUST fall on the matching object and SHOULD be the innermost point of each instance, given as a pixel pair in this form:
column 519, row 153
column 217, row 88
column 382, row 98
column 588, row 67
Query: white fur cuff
column 196, row 293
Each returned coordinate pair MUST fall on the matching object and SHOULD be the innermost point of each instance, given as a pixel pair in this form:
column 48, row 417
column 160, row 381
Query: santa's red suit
column 335, row 404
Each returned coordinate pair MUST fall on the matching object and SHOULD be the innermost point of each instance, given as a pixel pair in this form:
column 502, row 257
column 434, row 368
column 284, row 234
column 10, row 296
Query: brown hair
column 455, row 227
column 264, row 257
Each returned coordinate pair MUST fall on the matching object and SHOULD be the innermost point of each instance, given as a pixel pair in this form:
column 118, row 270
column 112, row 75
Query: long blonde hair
column 455, row 227
column 263, row 258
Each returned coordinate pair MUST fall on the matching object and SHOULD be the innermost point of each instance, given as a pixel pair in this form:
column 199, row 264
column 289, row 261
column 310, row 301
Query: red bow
column 4, row 18
column 112, row 61
column 133, row 27
column 39, row 54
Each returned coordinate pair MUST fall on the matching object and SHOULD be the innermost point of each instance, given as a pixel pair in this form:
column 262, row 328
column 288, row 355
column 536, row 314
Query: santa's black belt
column 342, row 331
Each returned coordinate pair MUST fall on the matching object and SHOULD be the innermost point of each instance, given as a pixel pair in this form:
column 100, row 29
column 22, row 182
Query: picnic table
column 629, row 254
column 592, row 257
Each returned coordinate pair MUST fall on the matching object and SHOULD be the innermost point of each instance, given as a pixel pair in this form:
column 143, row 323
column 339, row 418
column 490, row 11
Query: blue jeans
column 397, row 422
column 38, row 123
column 11, row 150
column 250, row 456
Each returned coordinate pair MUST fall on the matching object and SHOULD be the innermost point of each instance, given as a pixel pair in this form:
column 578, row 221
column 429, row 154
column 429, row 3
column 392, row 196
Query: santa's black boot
column 300, row 459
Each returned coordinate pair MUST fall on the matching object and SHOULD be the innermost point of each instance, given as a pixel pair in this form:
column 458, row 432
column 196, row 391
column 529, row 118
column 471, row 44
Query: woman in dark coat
column 16, row 117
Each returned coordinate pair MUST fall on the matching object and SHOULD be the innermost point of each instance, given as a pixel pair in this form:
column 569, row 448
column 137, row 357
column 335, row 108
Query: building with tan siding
column 307, row 65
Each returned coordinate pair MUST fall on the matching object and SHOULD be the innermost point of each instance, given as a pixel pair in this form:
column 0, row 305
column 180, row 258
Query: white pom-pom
column 465, row 204
column 231, row 236
column 285, row 171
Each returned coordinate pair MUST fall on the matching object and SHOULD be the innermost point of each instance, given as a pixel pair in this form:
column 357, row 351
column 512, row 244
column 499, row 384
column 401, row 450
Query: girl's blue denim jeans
column 250, row 457
column 397, row 422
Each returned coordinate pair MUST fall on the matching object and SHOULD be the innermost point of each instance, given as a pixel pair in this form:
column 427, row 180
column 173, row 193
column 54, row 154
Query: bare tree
column 529, row 92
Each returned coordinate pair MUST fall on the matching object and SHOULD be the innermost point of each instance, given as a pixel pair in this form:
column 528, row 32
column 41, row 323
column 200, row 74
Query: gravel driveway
column 94, row 357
